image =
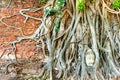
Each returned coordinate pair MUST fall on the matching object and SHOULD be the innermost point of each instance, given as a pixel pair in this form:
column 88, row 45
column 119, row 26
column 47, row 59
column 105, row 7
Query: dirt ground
column 26, row 70
column 22, row 70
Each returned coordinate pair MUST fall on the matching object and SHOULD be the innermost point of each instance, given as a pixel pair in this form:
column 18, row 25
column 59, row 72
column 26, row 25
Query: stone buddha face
column 90, row 58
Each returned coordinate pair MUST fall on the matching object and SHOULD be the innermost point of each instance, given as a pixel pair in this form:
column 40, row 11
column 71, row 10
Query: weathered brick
column 26, row 48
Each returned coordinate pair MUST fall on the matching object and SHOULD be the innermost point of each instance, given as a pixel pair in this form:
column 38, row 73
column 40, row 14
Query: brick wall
column 26, row 48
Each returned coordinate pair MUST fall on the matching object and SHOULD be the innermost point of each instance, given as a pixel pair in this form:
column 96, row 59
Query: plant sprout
column 81, row 5
column 116, row 4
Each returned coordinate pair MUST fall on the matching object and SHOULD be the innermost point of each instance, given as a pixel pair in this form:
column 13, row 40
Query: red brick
column 26, row 48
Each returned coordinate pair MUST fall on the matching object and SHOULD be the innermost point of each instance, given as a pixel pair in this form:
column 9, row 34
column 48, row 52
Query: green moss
column 56, row 9
column 116, row 4
column 49, row 12
column 81, row 5
column 91, row 1
column 59, row 4
column 43, row 1
column 57, row 24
